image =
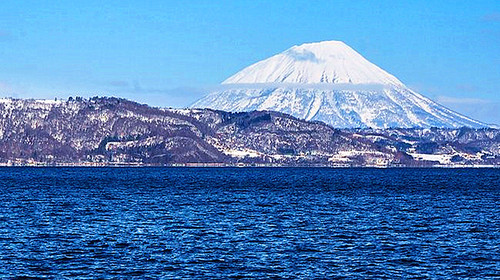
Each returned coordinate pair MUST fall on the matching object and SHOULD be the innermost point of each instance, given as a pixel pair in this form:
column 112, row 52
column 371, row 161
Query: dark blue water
column 249, row 223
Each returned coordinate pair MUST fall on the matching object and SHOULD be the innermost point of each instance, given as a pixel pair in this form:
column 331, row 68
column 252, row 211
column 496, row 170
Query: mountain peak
column 323, row 48
column 330, row 82
column 330, row 62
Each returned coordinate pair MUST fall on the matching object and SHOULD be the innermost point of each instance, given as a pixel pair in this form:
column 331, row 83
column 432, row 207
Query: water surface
column 305, row 223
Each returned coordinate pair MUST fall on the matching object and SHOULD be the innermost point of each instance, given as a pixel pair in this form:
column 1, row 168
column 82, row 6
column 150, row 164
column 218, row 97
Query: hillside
column 118, row 131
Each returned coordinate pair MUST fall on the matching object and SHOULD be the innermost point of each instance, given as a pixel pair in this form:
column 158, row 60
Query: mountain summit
column 331, row 62
column 330, row 82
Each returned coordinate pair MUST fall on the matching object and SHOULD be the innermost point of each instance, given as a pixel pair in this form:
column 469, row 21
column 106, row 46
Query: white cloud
column 7, row 90
column 485, row 110
column 466, row 100
column 319, row 86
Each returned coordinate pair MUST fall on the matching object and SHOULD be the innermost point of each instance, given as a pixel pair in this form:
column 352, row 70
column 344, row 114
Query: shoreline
column 227, row 165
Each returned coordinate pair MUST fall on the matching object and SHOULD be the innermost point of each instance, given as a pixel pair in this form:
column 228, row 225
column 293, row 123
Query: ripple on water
column 249, row 222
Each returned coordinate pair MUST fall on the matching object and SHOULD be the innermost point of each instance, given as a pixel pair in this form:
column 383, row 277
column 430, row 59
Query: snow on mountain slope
column 330, row 82
column 325, row 62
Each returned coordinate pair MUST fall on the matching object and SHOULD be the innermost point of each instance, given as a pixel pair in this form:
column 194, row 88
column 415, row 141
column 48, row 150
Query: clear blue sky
column 165, row 53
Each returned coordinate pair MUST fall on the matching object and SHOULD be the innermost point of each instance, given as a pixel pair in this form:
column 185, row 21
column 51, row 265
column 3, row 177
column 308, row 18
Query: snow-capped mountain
column 330, row 82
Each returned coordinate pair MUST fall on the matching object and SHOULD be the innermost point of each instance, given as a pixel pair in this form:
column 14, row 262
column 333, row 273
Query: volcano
column 330, row 82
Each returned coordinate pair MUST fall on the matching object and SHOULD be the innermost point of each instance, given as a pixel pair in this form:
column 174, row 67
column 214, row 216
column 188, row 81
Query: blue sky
column 165, row 53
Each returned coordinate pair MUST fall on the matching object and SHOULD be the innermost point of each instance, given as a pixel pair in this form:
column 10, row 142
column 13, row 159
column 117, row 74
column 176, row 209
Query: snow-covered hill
column 117, row 131
column 330, row 82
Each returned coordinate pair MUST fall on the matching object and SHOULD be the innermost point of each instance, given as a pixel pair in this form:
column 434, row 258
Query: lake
column 300, row 223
